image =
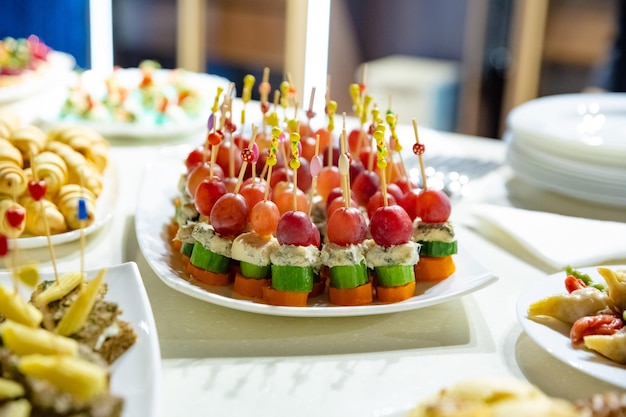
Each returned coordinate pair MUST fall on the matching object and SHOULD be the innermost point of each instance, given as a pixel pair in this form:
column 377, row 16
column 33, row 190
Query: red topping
column 15, row 216
column 37, row 189
column 4, row 245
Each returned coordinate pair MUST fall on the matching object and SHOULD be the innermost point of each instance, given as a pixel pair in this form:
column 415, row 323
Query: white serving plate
column 105, row 208
column 587, row 127
column 94, row 83
column 60, row 65
column 136, row 375
column 555, row 338
column 155, row 210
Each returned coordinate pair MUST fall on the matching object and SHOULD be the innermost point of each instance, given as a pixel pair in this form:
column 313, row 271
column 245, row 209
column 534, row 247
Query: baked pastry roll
column 35, row 212
column 67, row 202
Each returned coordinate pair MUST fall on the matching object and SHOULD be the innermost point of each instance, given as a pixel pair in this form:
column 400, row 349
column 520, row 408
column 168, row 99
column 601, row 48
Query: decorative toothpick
column 37, row 189
column 315, row 166
column 418, row 149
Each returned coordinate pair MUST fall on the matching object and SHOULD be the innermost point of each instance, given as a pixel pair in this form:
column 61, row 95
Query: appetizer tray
column 154, row 213
column 105, row 208
column 61, row 64
column 136, row 375
column 554, row 338
column 206, row 84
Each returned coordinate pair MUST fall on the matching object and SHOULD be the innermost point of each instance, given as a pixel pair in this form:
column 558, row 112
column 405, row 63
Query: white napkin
column 556, row 239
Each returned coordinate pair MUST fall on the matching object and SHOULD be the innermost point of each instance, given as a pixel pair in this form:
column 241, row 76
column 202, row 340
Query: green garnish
column 584, row 277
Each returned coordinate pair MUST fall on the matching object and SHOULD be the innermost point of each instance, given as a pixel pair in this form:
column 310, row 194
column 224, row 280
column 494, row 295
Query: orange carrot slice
column 208, row 277
column 395, row 294
column 351, row 296
column 284, row 298
column 249, row 287
column 432, row 268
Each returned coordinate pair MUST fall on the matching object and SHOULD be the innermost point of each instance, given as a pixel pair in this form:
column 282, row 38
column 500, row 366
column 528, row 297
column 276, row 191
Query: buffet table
column 222, row 362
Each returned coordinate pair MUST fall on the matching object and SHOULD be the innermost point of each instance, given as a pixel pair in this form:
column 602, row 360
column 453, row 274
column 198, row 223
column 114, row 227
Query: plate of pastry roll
column 52, row 172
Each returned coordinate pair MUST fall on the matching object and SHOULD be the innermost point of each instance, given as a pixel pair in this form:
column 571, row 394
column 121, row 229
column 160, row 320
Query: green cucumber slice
column 249, row 270
column 187, row 249
column 206, row 259
column 292, row 278
column 437, row 248
column 394, row 275
column 348, row 276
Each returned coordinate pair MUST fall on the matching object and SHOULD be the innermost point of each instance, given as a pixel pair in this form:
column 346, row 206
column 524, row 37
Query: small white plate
column 155, row 210
column 206, row 84
column 588, row 127
column 136, row 375
column 555, row 338
column 105, row 208
column 60, row 65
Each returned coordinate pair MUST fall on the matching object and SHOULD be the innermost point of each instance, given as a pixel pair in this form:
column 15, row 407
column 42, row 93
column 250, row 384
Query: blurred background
column 457, row 65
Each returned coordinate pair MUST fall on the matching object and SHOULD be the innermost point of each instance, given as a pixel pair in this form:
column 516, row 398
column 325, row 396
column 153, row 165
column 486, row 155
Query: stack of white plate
column 573, row 144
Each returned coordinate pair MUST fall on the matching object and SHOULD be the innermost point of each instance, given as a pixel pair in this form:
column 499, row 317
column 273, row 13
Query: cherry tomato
column 572, row 283
column 601, row 324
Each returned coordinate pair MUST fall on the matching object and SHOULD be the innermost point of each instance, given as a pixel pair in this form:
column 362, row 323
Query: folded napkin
column 555, row 239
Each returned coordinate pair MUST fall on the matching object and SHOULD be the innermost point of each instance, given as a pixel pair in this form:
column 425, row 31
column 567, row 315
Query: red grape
column 253, row 192
column 328, row 179
column 405, row 184
column 264, row 217
column 199, row 173
column 390, row 225
column 196, row 157
column 433, row 206
column 364, row 186
column 338, row 203
column 377, row 201
column 356, row 167
column 346, row 226
column 296, row 228
column 229, row 215
column 409, row 202
column 207, row 193
column 395, row 190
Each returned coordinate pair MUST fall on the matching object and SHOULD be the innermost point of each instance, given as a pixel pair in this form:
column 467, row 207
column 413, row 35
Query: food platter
column 136, row 374
column 105, row 208
column 555, row 338
column 154, row 213
column 147, row 130
column 61, row 65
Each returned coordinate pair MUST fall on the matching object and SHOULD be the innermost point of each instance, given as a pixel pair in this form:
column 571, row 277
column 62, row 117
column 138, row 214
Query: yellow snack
column 23, row 340
column 30, row 140
column 15, row 308
column 93, row 146
column 83, row 379
column 34, row 216
column 76, row 315
column 50, row 168
column 9, row 121
column 10, row 389
column 493, row 397
column 80, row 170
column 11, row 230
column 13, row 180
column 616, row 286
column 67, row 202
column 10, row 153
column 17, row 408
column 59, row 288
